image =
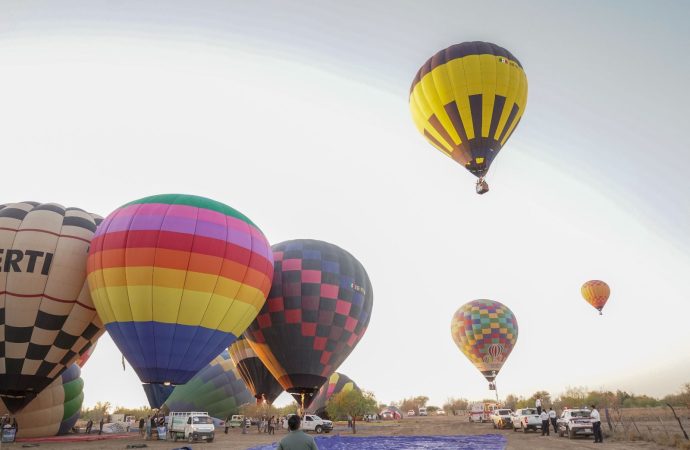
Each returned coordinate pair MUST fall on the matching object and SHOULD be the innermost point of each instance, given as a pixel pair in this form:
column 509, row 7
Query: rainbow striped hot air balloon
column 176, row 278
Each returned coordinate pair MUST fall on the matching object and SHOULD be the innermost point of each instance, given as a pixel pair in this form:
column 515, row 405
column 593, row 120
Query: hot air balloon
column 256, row 376
column 217, row 389
column 317, row 311
column 467, row 100
column 486, row 332
column 596, row 293
column 176, row 278
column 47, row 317
column 55, row 410
column 337, row 383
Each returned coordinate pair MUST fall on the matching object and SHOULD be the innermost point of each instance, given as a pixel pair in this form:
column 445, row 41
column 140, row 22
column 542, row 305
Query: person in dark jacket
column 100, row 426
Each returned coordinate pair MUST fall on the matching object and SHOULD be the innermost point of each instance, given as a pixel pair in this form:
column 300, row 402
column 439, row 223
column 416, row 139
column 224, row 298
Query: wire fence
column 664, row 425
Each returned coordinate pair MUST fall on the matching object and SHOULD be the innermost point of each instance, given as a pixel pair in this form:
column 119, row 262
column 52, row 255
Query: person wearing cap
column 296, row 438
column 538, row 405
column 596, row 425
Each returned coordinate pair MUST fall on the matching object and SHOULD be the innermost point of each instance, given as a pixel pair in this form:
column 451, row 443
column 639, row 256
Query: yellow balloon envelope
column 467, row 100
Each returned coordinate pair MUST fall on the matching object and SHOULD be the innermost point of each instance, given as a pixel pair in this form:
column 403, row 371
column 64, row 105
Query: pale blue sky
column 108, row 101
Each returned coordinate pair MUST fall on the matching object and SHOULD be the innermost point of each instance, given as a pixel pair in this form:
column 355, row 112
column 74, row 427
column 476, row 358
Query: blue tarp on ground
column 480, row 442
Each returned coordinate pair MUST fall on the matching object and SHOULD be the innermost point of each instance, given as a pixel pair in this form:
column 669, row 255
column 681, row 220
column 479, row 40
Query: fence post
column 637, row 429
column 664, row 427
column 680, row 424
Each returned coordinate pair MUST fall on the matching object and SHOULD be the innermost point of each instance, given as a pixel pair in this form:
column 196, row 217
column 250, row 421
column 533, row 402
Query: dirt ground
column 409, row 426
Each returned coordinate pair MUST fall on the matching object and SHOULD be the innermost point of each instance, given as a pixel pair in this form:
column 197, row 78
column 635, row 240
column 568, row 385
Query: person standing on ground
column 89, row 425
column 271, row 425
column 552, row 418
column 141, row 426
column 544, row 416
column 227, row 424
column 100, row 426
column 538, row 405
column 296, row 438
column 245, row 425
column 596, row 425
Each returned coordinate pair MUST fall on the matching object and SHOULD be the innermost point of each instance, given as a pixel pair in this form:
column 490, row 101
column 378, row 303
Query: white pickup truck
column 311, row 422
column 526, row 419
column 192, row 426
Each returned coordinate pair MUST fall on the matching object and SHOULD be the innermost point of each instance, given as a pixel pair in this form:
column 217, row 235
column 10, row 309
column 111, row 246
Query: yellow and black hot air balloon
column 467, row 100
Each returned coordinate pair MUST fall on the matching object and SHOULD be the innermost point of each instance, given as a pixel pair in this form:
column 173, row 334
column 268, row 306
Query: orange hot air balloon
column 596, row 293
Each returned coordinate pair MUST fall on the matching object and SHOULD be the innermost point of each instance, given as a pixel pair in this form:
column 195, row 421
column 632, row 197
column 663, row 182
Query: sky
column 296, row 114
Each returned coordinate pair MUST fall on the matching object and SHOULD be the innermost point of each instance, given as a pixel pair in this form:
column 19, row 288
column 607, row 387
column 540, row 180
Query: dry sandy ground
column 412, row 426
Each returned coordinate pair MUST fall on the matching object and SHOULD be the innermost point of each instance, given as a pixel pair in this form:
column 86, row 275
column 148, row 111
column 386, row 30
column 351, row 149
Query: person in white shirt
column 596, row 425
column 544, row 416
column 552, row 418
column 538, row 405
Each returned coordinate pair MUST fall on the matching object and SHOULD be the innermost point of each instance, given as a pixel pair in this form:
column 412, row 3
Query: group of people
column 150, row 423
column 6, row 422
column 549, row 418
column 89, row 426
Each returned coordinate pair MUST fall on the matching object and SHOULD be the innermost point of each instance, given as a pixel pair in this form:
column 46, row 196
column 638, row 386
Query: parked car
column 422, row 411
column 526, row 419
column 410, row 412
column 574, row 422
column 501, row 418
column 441, row 412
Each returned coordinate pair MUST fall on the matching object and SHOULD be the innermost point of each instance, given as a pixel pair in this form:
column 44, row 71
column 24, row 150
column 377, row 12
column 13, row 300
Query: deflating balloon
column 47, row 318
column 337, row 383
column 317, row 311
column 486, row 332
column 596, row 293
column 256, row 376
column 217, row 388
column 467, row 100
column 176, row 278
column 55, row 410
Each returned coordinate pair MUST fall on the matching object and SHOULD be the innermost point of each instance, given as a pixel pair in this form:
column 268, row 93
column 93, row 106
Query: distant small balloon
column 596, row 293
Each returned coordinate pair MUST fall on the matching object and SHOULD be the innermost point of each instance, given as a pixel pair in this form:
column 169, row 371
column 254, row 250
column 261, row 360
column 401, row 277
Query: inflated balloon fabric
column 467, row 100
column 47, row 318
column 217, row 389
column 259, row 380
column 55, row 410
column 486, row 332
column 317, row 311
column 176, row 278
column 596, row 293
column 337, row 383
